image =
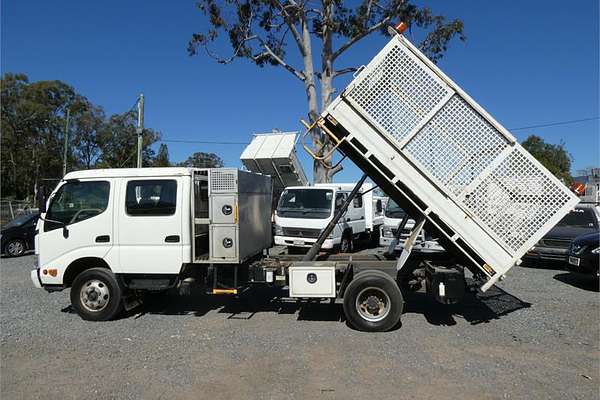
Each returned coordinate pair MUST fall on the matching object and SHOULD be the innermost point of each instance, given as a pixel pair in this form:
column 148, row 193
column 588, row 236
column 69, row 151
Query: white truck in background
column 304, row 211
column 393, row 216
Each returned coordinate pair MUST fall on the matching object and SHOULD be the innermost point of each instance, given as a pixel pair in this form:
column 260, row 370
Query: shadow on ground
column 580, row 281
column 475, row 308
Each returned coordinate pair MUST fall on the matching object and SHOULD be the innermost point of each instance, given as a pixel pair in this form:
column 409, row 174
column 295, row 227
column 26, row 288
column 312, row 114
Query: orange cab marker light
column 45, row 271
column 53, row 272
column 401, row 27
column 224, row 291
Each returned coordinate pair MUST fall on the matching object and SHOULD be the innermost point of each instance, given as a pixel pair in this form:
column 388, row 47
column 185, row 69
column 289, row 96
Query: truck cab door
column 78, row 224
column 342, row 225
column 150, row 225
column 357, row 219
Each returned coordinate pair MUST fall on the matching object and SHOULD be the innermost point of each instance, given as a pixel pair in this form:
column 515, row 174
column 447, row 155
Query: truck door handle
column 102, row 239
column 172, row 239
column 347, row 219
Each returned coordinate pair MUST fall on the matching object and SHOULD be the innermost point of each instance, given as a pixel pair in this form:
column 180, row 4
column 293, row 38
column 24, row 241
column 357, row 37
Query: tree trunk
column 319, row 173
column 323, row 168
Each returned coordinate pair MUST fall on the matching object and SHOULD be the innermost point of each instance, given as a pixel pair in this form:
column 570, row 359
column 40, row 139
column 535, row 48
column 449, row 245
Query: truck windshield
column 75, row 202
column 393, row 210
column 305, row 203
column 579, row 218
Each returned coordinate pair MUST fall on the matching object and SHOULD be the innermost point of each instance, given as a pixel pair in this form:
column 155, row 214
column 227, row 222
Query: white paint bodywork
column 274, row 154
column 141, row 239
column 322, row 287
column 405, row 112
column 136, row 245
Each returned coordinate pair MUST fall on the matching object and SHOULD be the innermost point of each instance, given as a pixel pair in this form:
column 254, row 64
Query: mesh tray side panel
column 456, row 145
column 397, row 93
column 516, row 199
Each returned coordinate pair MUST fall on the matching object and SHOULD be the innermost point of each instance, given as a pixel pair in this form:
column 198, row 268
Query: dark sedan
column 18, row 235
column 555, row 245
column 584, row 254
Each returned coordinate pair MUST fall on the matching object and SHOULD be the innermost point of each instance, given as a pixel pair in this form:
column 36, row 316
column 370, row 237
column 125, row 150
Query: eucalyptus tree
column 309, row 38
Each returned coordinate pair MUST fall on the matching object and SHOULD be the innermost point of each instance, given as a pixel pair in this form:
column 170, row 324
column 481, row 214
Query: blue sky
column 528, row 63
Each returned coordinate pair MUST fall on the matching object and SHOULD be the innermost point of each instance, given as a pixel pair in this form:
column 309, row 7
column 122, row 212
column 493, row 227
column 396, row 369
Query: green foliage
column 33, row 118
column 253, row 26
column 552, row 156
column 202, row 160
column 162, row 157
column 117, row 141
column 318, row 34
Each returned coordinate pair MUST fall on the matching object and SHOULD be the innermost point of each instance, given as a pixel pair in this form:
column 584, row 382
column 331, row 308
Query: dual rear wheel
column 373, row 302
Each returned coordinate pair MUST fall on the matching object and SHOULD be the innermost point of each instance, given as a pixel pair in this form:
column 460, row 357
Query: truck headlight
column 596, row 250
column 278, row 230
column 386, row 231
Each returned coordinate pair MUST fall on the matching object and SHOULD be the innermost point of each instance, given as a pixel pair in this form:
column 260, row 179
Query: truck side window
column 151, row 197
column 339, row 200
column 76, row 202
column 357, row 202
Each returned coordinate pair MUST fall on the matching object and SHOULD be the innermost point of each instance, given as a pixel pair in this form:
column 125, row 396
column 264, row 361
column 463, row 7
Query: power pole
column 66, row 148
column 140, row 130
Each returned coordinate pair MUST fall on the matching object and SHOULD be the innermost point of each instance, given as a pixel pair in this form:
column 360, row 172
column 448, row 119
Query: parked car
column 18, row 235
column 554, row 246
column 584, row 254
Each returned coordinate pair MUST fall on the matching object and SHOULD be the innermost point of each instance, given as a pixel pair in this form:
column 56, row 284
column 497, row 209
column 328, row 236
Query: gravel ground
column 537, row 336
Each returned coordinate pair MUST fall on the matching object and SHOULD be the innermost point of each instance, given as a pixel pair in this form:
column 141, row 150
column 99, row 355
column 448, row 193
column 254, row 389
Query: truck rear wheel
column 96, row 295
column 373, row 302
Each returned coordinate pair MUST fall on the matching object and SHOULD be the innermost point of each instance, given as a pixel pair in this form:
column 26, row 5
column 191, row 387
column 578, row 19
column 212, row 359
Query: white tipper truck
column 304, row 211
column 110, row 234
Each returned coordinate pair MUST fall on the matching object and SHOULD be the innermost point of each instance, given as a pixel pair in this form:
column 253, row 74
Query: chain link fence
column 10, row 209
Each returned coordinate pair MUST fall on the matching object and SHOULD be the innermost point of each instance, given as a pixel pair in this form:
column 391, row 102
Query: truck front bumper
column 35, row 278
column 302, row 242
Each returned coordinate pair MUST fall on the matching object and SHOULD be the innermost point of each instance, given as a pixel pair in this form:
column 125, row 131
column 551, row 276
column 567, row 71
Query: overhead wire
column 573, row 121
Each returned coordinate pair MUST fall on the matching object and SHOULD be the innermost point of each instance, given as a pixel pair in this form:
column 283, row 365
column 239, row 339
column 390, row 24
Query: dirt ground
column 536, row 336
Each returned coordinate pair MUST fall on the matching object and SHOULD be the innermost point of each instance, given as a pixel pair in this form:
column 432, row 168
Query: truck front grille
column 560, row 243
column 301, row 232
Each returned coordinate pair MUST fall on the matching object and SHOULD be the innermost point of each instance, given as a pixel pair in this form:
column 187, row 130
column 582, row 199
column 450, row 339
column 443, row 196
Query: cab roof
column 129, row 172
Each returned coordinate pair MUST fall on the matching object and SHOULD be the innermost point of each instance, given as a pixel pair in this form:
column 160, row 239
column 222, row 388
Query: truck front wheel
column 373, row 302
column 346, row 244
column 96, row 295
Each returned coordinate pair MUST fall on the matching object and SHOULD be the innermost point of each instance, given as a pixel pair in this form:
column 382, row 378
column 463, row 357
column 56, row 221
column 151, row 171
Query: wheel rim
column 94, row 295
column 15, row 248
column 373, row 304
column 345, row 246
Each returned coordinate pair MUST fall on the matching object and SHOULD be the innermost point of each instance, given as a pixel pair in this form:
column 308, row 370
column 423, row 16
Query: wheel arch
column 81, row 264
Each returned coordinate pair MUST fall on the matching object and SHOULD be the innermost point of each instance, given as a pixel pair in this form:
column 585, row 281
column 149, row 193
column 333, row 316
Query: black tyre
column 96, row 295
column 346, row 244
column 373, row 302
column 15, row 248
